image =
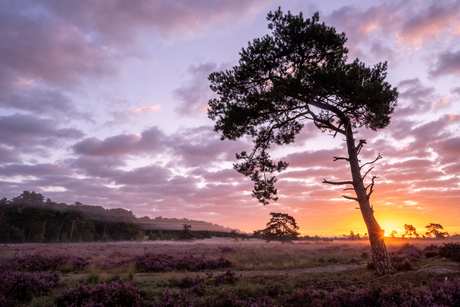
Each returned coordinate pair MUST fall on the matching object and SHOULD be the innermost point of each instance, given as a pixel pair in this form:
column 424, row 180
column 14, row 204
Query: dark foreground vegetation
column 224, row 272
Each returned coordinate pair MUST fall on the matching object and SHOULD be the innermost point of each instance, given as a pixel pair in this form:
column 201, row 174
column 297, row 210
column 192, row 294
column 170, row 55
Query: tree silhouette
column 410, row 231
column 393, row 234
column 300, row 73
column 185, row 233
column 435, row 229
column 281, row 227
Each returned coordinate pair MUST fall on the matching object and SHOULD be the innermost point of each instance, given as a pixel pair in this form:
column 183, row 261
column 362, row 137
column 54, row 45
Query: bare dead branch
column 367, row 173
column 360, row 145
column 349, row 189
column 371, row 186
column 337, row 183
column 340, row 158
column 372, row 162
column 348, row 197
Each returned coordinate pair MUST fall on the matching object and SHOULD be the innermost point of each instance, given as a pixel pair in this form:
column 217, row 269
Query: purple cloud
column 27, row 131
column 447, row 63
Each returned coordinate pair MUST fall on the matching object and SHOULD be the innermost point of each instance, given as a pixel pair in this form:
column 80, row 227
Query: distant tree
column 393, row 234
column 234, row 235
column 257, row 234
column 410, row 231
column 281, row 227
column 153, row 236
column 300, row 73
column 185, row 233
column 352, row 235
column 435, row 229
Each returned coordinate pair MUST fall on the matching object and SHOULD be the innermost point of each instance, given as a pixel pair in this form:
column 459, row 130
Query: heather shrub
column 435, row 294
column 173, row 299
column 23, row 285
column 115, row 293
column 163, row 263
column 7, row 302
column 227, row 278
column 229, row 300
column 450, row 250
column 410, row 251
column 186, row 282
column 431, row 251
column 36, row 262
column 226, row 250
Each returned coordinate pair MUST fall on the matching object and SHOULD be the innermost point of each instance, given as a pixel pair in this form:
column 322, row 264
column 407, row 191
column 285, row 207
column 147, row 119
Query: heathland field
column 225, row 272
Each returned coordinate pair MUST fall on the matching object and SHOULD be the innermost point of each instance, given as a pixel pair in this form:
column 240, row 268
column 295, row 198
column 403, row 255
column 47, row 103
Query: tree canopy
column 299, row 72
column 281, row 227
column 436, row 230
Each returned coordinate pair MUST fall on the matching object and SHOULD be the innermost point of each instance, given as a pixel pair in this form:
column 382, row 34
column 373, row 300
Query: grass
column 271, row 271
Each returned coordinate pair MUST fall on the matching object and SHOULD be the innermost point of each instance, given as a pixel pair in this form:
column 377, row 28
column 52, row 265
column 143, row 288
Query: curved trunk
column 376, row 234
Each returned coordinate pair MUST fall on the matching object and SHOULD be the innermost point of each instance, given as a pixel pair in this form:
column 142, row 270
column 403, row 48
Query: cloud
column 429, row 23
column 27, row 131
column 41, row 101
column 40, row 47
column 447, row 63
column 194, row 96
column 147, row 109
column 390, row 29
column 149, row 141
column 37, row 170
column 8, row 155
column 121, row 22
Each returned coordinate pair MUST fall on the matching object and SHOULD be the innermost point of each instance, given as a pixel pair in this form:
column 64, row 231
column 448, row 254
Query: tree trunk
column 376, row 234
column 71, row 231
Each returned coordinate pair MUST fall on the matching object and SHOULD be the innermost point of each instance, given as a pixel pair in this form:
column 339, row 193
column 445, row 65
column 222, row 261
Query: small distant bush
column 450, row 250
column 232, row 300
column 187, row 282
column 173, row 299
column 431, row 251
column 227, row 278
column 226, row 250
column 163, row 263
column 115, row 293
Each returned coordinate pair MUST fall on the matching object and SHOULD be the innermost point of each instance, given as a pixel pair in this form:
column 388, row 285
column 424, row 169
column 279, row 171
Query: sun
column 386, row 235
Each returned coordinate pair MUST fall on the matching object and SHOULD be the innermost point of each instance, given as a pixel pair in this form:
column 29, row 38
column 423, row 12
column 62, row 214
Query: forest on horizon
column 29, row 218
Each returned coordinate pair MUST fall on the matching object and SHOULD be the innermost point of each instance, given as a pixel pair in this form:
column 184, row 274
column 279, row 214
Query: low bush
column 21, row 286
column 450, row 250
column 115, row 293
column 36, row 262
column 163, row 263
column 431, row 251
column 434, row 294
column 186, row 282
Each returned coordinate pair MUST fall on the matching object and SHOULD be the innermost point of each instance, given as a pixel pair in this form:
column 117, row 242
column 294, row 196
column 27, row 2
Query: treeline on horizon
column 28, row 218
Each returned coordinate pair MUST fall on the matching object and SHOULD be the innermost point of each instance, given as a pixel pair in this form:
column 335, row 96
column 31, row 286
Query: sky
column 104, row 102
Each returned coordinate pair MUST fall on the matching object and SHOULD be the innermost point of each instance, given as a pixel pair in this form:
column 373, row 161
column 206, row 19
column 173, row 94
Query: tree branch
column 348, row 197
column 341, row 158
column 337, row 183
column 360, row 146
column 367, row 173
column 371, row 187
column 372, row 162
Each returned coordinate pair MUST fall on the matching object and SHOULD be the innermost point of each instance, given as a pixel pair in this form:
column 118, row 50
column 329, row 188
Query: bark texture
column 376, row 234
